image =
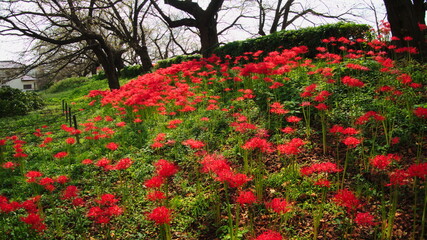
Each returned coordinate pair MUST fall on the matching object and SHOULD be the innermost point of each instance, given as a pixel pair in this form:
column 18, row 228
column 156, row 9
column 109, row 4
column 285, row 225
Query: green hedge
column 15, row 102
column 175, row 60
column 310, row 37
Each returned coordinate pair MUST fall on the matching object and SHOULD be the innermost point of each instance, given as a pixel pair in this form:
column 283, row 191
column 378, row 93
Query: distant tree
column 63, row 23
column 282, row 13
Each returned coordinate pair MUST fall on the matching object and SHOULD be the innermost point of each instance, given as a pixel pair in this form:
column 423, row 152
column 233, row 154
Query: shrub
column 178, row 59
column 15, row 102
column 131, row 71
column 310, row 37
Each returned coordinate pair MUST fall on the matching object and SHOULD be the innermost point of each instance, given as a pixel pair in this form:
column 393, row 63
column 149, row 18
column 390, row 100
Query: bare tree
column 285, row 13
column 205, row 20
column 125, row 19
column 61, row 23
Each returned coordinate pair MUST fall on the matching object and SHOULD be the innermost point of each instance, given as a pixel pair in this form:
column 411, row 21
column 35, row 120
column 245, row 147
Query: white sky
column 12, row 46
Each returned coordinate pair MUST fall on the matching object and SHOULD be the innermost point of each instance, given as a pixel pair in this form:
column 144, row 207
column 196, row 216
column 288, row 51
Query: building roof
column 10, row 64
column 28, row 78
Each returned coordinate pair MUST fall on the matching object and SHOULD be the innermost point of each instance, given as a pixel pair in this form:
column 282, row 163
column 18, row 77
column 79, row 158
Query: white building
column 13, row 74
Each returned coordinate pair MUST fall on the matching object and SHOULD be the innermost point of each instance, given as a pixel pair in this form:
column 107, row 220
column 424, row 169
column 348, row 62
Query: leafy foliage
column 16, row 102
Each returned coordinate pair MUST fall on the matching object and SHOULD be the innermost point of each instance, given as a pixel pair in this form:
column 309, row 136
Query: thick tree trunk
column 403, row 19
column 107, row 60
column 208, row 36
column 143, row 55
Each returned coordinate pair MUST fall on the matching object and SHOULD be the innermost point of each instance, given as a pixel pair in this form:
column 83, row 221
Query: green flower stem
column 392, row 212
column 323, row 121
column 230, row 215
column 423, row 219
column 347, row 156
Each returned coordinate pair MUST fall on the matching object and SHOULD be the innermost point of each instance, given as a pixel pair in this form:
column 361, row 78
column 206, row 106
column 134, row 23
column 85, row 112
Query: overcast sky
column 11, row 47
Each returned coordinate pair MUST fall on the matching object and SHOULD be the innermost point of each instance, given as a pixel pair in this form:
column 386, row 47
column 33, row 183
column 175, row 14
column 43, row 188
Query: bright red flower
column 78, row 201
column 258, row 143
column 421, row 112
column 323, row 183
column 33, row 175
column 154, row 182
column 279, row 205
column 112, row 146
column 381, row 161
column 398, row 177
column 326, row 167
column 269, row 235
column 70, row 140
column 165, row 169
column 194, row 144
column 351, row 142
column 346, row 198
column 61, row 179
column 9, row 165
column 321, row 107
column 365, row 219
column 246, row 197
column 70, row 192
column 287, row 130
column 293, row 119
column 60, row 155
column 87, row 161
column 418, row 170
column 35, row 221
column 123, row 163
column 160, row 215
column 107, row 200
column 155, row 196
column 352, row 82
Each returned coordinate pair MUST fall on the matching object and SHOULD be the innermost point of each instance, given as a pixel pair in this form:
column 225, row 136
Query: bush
column 15, row 102
column 310, row 37
column 178, row 59
column 131, row 71
column 67, row 84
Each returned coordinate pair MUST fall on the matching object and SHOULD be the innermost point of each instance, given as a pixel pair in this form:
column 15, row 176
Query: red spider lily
column 292, row 147
column 351, row 142
column 421, row 112
column 269, row 235
column 246, row 198
column 326, row 167
column 234, row 180
column 381, row 161
column 155, row 196
column 287, row 130
column 70, row 141
column 279, row 205
column 293, row 119
column 160, row 215
column 87, row 161
column 3, row 142
column 157, row 145
column 367, row 116
column 78, row 202
column 258, row 143
column 357, row 67
column 103, row 214
column 214, row 163
column 165, row 169
column 120, row 124
column 323, row 183
column 107, row 200
column 32, row 176
column 174, row 123
column 365, row 219
column 70, row 192
column 243, row 127
column 346, row 198
column 399, row 177
column 9, row 165
column 194, row 144
column 154, row 182
column 35, row 221
column 60, row 155
column 277, row 108
column 103, row 163
column 321, row 107
column 352, row 82
column 112, row 146
column 418, row 170
column 122, row 164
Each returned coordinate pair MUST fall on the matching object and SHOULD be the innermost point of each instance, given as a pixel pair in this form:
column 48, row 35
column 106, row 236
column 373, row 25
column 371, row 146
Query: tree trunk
column 143, row 55
column 208, row 36
column 107, row 60
column 401, row 15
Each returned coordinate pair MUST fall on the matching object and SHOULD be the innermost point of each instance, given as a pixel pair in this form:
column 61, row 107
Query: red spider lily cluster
column 248, row 105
